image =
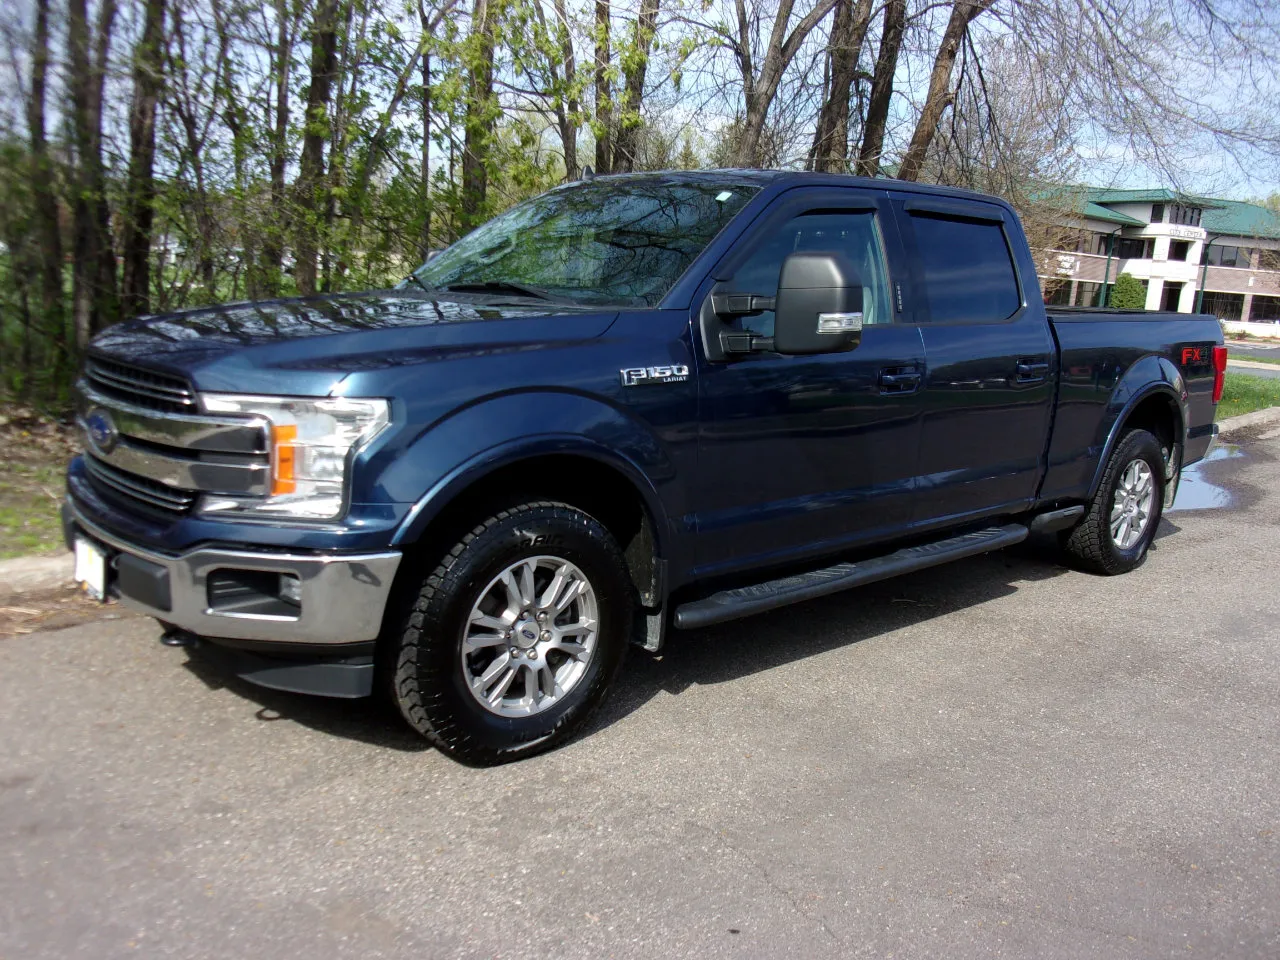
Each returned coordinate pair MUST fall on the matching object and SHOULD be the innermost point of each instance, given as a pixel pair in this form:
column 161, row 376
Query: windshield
column 596, row 242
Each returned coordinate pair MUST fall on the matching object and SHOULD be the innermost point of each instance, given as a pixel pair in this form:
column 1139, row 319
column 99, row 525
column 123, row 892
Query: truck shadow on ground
column 738, row 649
column 718, row 654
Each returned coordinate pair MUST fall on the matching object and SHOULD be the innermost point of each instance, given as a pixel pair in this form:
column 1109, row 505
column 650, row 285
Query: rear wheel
column 514, row 638
column 1122, row 518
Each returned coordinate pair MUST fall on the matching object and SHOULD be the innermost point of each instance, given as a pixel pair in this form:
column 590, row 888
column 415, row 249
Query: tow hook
column 175, row 637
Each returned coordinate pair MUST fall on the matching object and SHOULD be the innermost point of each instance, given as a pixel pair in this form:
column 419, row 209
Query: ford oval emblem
column 102, row 430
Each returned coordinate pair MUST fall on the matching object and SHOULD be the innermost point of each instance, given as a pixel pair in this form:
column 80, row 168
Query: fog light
column 291, row 589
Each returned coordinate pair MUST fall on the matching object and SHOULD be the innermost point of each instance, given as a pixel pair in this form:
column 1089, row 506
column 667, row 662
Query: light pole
column 1204, row 266
column 1104, row 298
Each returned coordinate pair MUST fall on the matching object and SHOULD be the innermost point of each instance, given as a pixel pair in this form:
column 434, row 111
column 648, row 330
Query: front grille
column 130, row 490
column 139, row 386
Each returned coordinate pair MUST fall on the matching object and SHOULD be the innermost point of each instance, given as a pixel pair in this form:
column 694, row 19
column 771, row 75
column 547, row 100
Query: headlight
column 312, row 443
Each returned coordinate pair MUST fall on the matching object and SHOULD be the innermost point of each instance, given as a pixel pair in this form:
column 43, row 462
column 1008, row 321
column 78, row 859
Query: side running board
column 744, row 601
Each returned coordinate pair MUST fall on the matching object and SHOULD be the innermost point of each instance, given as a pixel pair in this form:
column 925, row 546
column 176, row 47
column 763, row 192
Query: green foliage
column 1128, row 293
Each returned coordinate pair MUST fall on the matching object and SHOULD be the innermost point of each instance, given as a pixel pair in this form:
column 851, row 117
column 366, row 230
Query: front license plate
column 91, row 568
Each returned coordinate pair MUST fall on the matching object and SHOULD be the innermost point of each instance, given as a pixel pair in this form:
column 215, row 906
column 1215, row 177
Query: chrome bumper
column 342, row 595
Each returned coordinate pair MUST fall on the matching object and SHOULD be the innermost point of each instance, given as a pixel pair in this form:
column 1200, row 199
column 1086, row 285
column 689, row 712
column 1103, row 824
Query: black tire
column 1090, row 543
column 429, row 682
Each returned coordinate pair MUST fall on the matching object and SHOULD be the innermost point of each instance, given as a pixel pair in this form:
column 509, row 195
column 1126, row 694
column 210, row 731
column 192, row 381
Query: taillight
column 1219, row 372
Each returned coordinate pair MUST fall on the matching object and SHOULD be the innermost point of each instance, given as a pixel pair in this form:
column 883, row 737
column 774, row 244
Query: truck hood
column 298, row 346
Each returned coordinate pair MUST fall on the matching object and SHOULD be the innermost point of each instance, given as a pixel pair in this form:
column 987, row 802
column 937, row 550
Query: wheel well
column 593, row 487
column 1159, row 415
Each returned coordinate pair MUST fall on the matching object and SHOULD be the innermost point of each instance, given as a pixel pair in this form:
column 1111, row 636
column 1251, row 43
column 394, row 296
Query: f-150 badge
column 635, row 376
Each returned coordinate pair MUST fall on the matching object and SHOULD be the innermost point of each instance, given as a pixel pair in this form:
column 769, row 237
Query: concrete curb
column 1256, row 419
column 29, row 574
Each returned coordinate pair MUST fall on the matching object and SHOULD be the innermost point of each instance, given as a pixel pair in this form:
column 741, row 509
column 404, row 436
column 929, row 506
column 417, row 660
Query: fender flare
column 1170, row 385
column 482, row 464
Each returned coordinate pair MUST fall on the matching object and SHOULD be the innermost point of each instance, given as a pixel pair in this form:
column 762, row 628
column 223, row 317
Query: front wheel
column 515, row 637
column 1121, row 521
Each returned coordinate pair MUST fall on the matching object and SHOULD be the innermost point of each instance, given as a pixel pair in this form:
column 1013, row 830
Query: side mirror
column 819, row 304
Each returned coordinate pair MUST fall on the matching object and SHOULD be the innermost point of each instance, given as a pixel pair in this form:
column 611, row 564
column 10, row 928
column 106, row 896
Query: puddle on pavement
column 1197, row 493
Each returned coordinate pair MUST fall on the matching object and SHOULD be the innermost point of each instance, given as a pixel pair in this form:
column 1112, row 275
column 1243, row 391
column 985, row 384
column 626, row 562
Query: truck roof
column 764, row 178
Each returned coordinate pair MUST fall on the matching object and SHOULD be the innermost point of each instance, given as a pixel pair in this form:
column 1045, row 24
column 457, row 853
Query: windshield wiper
column 498, row 286
column 413, row 277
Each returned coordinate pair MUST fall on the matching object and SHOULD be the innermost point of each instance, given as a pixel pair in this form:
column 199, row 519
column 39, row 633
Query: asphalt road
column 1255, row 348
column 997, row 758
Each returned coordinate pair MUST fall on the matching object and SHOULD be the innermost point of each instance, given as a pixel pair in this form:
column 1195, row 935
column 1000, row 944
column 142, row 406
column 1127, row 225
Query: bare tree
column 93, row 268
column 939, row 95
column 45, row 213
column 148, row 66
column 873, row 127
column 760, row 84
column 831, row 139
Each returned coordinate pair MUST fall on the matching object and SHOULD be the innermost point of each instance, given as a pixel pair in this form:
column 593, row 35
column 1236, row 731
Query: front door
column 804, row 455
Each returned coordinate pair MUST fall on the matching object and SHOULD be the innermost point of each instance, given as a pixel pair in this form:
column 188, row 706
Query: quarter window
column 968, row 270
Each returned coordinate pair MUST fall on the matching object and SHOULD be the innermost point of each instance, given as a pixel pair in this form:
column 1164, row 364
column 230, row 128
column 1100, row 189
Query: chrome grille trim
column 139, row 489
column 225, row 475
column 143, row 387
column 191, row 431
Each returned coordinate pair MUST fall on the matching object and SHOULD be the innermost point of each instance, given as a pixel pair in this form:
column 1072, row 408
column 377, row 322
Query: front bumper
column 341, row 596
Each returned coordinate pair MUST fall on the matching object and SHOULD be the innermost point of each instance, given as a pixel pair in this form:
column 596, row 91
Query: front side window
column 855, row 234
column 596, row 242
column 968, row 270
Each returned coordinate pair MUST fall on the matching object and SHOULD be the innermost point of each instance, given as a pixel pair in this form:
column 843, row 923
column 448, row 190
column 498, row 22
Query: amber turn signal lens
column 283, row 454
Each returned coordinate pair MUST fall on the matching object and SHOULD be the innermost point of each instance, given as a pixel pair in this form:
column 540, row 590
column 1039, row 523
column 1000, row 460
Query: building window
column 1224, row 306
column 1218, row 256
column 1170, row 296
column 1265, row 309
column 1056, row 291
column 1157, row 213
column 1186, row 216
column 1136, row 248
column 1268, row 259
column 1178, row 249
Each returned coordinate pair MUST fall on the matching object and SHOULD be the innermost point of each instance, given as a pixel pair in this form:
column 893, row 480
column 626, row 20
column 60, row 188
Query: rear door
column 988, row 394
column 801, row 455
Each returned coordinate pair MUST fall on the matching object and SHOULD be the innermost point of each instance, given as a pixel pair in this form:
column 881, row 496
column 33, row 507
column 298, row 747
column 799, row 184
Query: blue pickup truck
column 629, row 406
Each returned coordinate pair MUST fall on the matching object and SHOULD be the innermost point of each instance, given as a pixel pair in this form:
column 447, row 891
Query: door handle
column 1032, row 370
column 899, row 380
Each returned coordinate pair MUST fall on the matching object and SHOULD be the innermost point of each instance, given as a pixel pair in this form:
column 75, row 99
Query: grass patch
column 34, row 451
column 1244, row 394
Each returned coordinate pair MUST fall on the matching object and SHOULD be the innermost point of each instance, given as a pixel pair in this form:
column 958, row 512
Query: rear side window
column 968, row 271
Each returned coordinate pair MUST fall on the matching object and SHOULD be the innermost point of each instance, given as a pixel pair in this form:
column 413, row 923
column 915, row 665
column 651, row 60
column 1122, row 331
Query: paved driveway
column 997, row 758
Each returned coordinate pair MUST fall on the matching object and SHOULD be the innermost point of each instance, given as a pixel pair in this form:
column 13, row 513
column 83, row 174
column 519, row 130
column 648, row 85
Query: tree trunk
column 831, row 140
column 277, row 223
column 939, row 97
column 895, row 21
column 93, row 269
column 604, row 91
column 634, row 69
column 479, row 120
column 324, row 44
column 567, row 121
column 424, row 243
column 45, row 207
column 760, row 89
column 139, row 211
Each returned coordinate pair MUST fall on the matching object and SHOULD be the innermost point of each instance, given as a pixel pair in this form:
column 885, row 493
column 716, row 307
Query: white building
column 1218, row 256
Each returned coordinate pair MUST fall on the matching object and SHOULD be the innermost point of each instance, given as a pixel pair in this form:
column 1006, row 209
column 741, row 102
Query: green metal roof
column 1237, row 219
column 1095, row 211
